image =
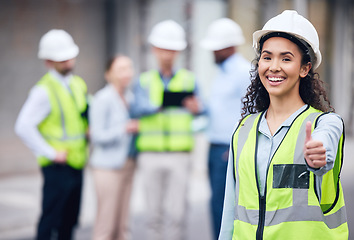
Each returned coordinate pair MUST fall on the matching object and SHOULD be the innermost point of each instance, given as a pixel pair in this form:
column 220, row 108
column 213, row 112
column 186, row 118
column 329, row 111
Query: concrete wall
column 342, row 62
column 246, row 14
column 22, row 23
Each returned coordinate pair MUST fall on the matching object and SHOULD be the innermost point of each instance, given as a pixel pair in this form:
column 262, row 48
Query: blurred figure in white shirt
column 53, row 124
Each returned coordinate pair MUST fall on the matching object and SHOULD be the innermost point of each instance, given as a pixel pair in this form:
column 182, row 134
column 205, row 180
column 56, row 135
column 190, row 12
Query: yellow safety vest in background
column 169, row 129
column 65, row 127
column 290, row 208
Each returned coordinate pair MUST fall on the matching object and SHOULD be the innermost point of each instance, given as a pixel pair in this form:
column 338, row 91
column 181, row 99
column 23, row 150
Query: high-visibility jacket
column 65, row 126
column 290, row 207
column 170, row 128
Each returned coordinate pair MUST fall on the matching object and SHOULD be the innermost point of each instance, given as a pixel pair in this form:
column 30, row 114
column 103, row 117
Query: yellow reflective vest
column 169, row 129
column 65, row 126
column 290, row 208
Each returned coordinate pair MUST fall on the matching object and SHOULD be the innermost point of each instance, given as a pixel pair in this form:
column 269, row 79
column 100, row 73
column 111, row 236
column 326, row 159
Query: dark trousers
column 61, row 197
column 218, row 156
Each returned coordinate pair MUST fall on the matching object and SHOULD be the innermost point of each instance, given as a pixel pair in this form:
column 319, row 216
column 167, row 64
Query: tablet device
column 174, row 98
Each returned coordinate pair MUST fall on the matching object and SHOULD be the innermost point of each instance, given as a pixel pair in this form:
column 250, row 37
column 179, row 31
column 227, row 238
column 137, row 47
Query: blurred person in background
column 224, row 105
column 283, row 177
column 165, row 137
column 53, row 124
column 112, row 165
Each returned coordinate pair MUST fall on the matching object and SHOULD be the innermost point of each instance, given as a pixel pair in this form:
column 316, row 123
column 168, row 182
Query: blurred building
column 102, row 28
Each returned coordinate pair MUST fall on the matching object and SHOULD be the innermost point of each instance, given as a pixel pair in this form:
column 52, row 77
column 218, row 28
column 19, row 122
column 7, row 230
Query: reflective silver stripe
column 294, row 214
column 298, row 213
column 248, row 216
column 244, row 130
column 306, row 213
column 166, row 132
column 186, row 80
column 186, row 85
column 300, row 196
column 336, row 219
column 66, row 138
column 179, row 132
column 62, row 119
column 175, row 111
column 298, row 155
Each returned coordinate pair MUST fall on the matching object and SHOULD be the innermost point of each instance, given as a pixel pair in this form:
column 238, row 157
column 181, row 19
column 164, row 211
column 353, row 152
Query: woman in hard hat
column 112, row 164
column 283, row 172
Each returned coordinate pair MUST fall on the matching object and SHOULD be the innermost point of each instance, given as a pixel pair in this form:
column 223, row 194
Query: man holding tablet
column 165, row 105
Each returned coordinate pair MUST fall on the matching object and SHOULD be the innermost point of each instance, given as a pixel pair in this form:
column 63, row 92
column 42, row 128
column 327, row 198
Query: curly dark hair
column 312, row 91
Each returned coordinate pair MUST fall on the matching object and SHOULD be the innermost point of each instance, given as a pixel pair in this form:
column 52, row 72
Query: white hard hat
column 292, row 23
column 223, row 33
column 168, row 35
column 57, row 45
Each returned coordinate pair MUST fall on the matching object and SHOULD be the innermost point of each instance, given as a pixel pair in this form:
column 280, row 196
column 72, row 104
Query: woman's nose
column 275, row 66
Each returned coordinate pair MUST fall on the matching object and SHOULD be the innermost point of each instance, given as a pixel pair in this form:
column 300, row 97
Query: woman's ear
column 305, row 69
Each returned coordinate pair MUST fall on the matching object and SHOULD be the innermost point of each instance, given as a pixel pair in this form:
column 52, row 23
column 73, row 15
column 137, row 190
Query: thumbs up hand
column 314, row 152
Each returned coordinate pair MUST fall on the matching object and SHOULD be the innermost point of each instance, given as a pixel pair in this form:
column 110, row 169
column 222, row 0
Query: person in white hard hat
column 165, row 104
column 283, row 177
column 53, row 124
column 224, row 106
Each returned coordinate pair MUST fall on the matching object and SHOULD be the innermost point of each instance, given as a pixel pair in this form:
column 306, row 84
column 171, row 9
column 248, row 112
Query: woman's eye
column 266, row 58
column 286, row 59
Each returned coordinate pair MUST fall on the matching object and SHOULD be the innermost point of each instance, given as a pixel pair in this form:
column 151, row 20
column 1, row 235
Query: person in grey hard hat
column 53, row 124
column 224, row 106
column 166, row 100
column 283, row 177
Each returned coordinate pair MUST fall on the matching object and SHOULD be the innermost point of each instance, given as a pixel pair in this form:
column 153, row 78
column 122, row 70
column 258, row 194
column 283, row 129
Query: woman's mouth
column 276, row 79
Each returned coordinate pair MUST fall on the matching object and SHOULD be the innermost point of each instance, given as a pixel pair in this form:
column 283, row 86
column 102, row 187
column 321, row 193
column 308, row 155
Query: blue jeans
column 218, row 157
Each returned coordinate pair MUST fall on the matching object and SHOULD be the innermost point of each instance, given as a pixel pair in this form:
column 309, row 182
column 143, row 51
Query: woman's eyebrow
column 266, row 51
column 282, row 53
column 287, row 52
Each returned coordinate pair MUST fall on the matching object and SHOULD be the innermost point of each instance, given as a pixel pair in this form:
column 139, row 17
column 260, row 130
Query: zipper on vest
column 261, row 199
column 261, row 219
column 261, row 211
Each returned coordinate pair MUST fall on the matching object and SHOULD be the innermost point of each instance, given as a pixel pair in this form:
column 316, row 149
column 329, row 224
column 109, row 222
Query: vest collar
column 263, row 126
column 65, row 80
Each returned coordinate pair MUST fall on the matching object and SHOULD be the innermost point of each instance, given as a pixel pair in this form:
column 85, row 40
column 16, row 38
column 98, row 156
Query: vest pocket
column 291, row 176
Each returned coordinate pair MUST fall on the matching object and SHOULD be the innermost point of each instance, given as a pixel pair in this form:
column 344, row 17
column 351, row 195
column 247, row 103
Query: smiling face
column 280, row 68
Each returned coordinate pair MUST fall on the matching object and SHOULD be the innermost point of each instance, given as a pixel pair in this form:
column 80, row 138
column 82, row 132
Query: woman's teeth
column 275, row 79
